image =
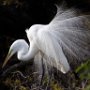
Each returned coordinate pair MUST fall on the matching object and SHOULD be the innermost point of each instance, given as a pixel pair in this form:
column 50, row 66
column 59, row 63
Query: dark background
column 18, row 15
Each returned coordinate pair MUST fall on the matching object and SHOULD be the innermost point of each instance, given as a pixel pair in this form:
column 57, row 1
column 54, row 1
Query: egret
column 67, row 34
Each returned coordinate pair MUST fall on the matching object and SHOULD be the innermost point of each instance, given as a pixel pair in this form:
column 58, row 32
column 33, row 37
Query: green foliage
column 87, row 88
column 55, row 86
column 51, row 83
column 45, row 80
column 84, row 73
column 23, row 88
column 84, row 70
column 18, row 81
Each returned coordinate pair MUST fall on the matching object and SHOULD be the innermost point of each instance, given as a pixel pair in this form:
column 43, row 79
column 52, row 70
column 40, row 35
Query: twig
column 15, row 66
column 21, row 74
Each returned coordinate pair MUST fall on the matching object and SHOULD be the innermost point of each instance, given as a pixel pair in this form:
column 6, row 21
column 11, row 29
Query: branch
column 14, row 67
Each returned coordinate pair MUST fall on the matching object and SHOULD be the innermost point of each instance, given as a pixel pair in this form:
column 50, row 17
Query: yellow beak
column 7, row 59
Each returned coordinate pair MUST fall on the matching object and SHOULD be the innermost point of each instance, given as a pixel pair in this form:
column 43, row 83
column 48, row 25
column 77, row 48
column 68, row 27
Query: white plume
column 65, row 39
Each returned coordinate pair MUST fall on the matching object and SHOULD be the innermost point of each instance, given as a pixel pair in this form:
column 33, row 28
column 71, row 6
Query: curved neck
column 31, row 52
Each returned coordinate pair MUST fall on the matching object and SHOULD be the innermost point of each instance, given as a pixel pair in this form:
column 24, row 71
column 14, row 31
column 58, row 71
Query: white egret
column 68, row 32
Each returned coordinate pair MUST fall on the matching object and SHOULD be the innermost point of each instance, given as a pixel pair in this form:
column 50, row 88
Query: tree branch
column 14, row 67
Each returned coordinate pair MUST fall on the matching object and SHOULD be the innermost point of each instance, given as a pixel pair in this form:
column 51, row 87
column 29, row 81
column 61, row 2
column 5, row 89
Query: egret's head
column 14, row 48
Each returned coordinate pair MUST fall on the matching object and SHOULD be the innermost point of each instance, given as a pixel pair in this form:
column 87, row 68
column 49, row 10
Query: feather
column 64, row 40
column 65, row 33
column 74, row 35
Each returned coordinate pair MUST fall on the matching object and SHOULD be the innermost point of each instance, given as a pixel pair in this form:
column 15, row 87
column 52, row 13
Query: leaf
column 87, row 88
column 84, row 70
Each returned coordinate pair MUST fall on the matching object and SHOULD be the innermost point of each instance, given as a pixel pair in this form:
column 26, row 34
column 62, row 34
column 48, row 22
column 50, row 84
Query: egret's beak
column 7, row 58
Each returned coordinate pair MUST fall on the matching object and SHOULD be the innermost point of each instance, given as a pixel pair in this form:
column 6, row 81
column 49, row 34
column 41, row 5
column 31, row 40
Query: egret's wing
column 73, row 34
column 64, row 13
column 50, row 46
column 67, row 37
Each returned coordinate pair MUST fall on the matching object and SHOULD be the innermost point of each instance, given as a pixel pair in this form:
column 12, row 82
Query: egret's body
column 67, row 32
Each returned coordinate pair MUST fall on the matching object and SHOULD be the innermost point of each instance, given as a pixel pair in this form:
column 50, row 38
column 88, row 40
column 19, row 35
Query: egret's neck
column 28, row 54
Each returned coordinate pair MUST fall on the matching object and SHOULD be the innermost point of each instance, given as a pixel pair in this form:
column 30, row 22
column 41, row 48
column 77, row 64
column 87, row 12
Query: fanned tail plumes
column 65, row 39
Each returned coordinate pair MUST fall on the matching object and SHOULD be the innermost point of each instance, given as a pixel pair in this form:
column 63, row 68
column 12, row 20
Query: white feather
column 66, row 33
